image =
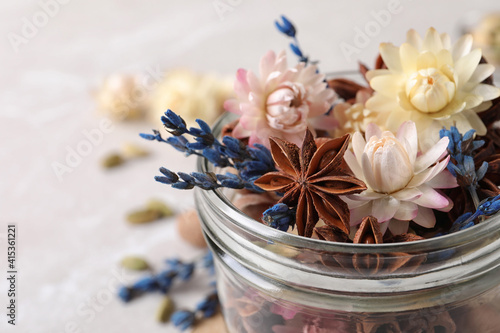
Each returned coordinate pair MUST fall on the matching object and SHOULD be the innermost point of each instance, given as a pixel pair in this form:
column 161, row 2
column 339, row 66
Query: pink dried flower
column 282, row 102
column 401, row 184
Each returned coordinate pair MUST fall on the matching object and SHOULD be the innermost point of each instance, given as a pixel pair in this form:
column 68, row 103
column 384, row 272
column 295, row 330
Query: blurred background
column 72, row 165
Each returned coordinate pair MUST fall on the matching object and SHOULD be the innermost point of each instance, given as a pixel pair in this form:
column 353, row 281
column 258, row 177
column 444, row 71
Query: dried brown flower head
column 311, row 179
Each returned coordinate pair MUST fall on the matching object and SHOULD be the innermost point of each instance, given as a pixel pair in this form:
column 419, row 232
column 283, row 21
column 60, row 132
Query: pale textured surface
column 72, row 232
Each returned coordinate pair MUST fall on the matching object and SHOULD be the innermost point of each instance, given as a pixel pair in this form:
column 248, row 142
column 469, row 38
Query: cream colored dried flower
column 190, row 95
column 355, row 117
column 401, row 181
column 122, row 97
column 433, row 83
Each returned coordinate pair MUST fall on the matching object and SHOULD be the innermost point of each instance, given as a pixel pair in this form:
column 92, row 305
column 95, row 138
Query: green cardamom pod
column 165, row 310
column 143, row 216
column 112, row 161
column 159, row 206
column 135, row 263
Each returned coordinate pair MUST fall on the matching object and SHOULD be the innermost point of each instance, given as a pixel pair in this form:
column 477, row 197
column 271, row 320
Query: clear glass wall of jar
column 276, row 282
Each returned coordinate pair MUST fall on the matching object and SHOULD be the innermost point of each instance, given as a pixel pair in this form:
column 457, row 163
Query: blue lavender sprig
column 206, row 308
column 185, row 271
column 462, row 149
column 163, row 281
column 460, row 145
column 279, row 216
column 203, row 136
column 207, row 262
column 487, row 207
column 174, row 124
column 250, row 162
column 286, row 27
column 183, row 319
column 205, row 181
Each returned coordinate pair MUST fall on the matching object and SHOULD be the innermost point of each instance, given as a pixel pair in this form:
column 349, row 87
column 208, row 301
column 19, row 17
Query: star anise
column 311, row 179
column 368, row 232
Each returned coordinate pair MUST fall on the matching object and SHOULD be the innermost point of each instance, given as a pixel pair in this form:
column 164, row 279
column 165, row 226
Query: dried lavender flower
column 183, row 319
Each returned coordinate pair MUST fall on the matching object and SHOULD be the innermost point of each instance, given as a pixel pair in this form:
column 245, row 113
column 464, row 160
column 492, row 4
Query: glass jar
column 275, row 282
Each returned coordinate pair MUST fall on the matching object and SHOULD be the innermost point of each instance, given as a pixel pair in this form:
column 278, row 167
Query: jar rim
column 270, row 235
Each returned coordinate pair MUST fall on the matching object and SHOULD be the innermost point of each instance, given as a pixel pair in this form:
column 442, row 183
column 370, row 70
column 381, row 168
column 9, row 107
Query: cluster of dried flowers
column 416, row 147
column 346, row 151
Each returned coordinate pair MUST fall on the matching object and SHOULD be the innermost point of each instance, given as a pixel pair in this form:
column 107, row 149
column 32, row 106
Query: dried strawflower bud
column 121, row 97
